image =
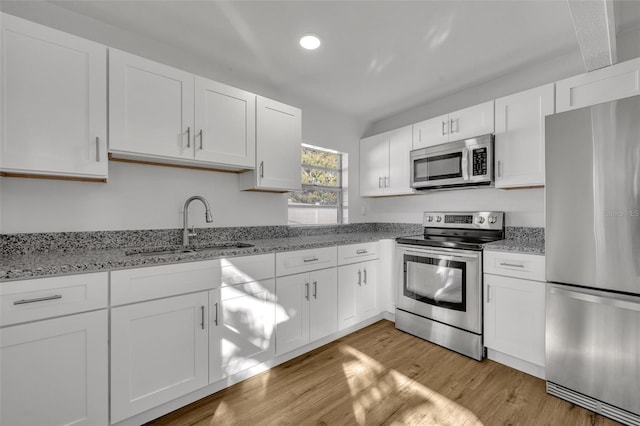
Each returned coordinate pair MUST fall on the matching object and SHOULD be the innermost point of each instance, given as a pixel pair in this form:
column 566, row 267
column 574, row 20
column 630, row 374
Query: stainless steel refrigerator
column 593, row 258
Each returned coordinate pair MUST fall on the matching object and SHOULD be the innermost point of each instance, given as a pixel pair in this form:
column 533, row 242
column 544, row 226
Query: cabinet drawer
column 41, row 298
column 238, row 270
column 606, row 84
column 253, row 288
column 518, row 265
column 353, row 253
column 294, row 262
column 135, row 285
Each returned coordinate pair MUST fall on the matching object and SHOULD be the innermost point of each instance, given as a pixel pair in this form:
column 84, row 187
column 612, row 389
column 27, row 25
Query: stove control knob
column 430, row 219
column 480, row 219
column 439, row 219
column 493, row 219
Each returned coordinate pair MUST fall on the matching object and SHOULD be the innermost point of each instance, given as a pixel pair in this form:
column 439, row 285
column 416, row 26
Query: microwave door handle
column 465, row 164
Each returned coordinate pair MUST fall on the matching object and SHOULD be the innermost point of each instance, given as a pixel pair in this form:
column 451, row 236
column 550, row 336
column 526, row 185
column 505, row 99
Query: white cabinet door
column 242, row 327
column 54, row 102
column 357, row 293
column 519, row 141
column 54, row 372
column 374, row 164
column 431, row 132
column 349, row 279
column 473, row 121
column 224, row 124
column 398, row 181
column 292, row 312
column 150, row 107
column 514, row 317
column 159, row 352
column 278, row 145
column 323, row 303
column 366, row 300
column 603, row 85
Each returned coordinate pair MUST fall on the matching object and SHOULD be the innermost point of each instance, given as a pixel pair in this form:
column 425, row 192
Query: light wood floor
column 381, row 376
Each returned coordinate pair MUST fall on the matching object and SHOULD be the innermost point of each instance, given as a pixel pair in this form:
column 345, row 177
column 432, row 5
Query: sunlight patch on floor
column 413, row 403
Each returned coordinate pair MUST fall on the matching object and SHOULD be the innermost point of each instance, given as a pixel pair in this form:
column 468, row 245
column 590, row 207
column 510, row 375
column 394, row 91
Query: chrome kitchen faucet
column 186, row 233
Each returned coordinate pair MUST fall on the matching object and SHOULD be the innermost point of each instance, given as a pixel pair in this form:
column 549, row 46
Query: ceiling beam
column 594, row 23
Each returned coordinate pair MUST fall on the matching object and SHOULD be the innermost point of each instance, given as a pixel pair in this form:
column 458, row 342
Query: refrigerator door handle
column 624, row 302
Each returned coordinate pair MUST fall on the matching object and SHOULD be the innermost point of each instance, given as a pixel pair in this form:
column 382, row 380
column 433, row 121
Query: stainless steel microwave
column 464, row 163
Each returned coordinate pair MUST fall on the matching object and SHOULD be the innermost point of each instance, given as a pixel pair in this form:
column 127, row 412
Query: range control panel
column 479, row 158
column 482, row 220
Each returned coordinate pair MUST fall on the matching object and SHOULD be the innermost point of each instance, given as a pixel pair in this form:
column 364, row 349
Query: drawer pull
column 363, row 251
column 311, row 259
column 513, row 265
column 37, row 299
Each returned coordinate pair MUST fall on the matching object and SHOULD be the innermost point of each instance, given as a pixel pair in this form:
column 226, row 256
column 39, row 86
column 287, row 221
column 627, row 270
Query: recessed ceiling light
column 309, row 41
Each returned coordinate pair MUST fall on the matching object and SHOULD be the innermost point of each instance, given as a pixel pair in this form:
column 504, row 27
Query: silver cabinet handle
column 359, row 277
column 365, row 276
column 451, row 127
column 188, row 137
column 362, row 251
column 444, row 123
column 315, row 289
column 306, row 294
column 488, row 293
column 200, row 135
column 379, row 182
column 97, row 149
column 216, row 318
column 499, row 168
column 202, row 317
column 386, row 181
column 262, row 169
column 37, row 299
column 310, row 259
column 513, row 265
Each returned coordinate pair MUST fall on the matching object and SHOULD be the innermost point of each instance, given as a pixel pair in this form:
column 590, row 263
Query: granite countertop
column 63, row 262
column 521, row 246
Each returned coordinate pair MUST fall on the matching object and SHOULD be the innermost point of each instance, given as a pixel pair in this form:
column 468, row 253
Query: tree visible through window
column 320, row 201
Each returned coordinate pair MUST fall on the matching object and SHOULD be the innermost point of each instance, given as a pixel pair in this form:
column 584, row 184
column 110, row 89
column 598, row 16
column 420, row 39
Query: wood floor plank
column 382, row 376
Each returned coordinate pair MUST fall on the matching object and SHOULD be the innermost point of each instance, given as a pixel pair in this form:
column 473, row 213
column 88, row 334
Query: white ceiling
column 377, row 57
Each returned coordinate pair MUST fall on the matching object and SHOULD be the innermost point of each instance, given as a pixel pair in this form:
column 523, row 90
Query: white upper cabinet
column 466, row 123
column 603, row 85
column 150, row 107
column 278, row 148
column 225, row 124
column 384, row 163
column 166, row 115
column 519, row 140
column 54, row 102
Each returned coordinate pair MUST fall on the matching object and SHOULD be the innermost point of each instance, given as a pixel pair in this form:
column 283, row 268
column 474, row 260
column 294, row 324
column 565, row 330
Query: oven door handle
column 442, row 254
column 465, row 164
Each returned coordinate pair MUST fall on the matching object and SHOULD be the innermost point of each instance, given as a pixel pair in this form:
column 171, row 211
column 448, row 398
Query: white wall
column 151, row 197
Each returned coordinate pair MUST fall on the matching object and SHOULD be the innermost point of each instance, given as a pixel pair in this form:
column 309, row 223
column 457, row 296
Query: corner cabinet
column 161, row 114
column 385, row 163
column 54, row 103
column 514, row 310
column 278, row 148
column 469, row 122
column 519, row 140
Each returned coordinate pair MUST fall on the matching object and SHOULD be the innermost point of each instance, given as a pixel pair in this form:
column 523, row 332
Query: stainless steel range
column 440, row 279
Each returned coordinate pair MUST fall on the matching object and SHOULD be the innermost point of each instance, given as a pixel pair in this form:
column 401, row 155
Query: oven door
column 441, row 284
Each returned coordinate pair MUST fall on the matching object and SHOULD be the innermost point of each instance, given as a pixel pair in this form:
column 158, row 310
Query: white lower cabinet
column 159, row 352
column 514, row 319
column 357, row 289
column 55, row 372
column 306, row 308
column 242, row 327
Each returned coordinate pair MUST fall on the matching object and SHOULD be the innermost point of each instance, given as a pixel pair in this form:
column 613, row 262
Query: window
column 322, row 199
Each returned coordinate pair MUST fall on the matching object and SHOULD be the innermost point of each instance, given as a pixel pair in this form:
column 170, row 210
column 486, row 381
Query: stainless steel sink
column 178, row 250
